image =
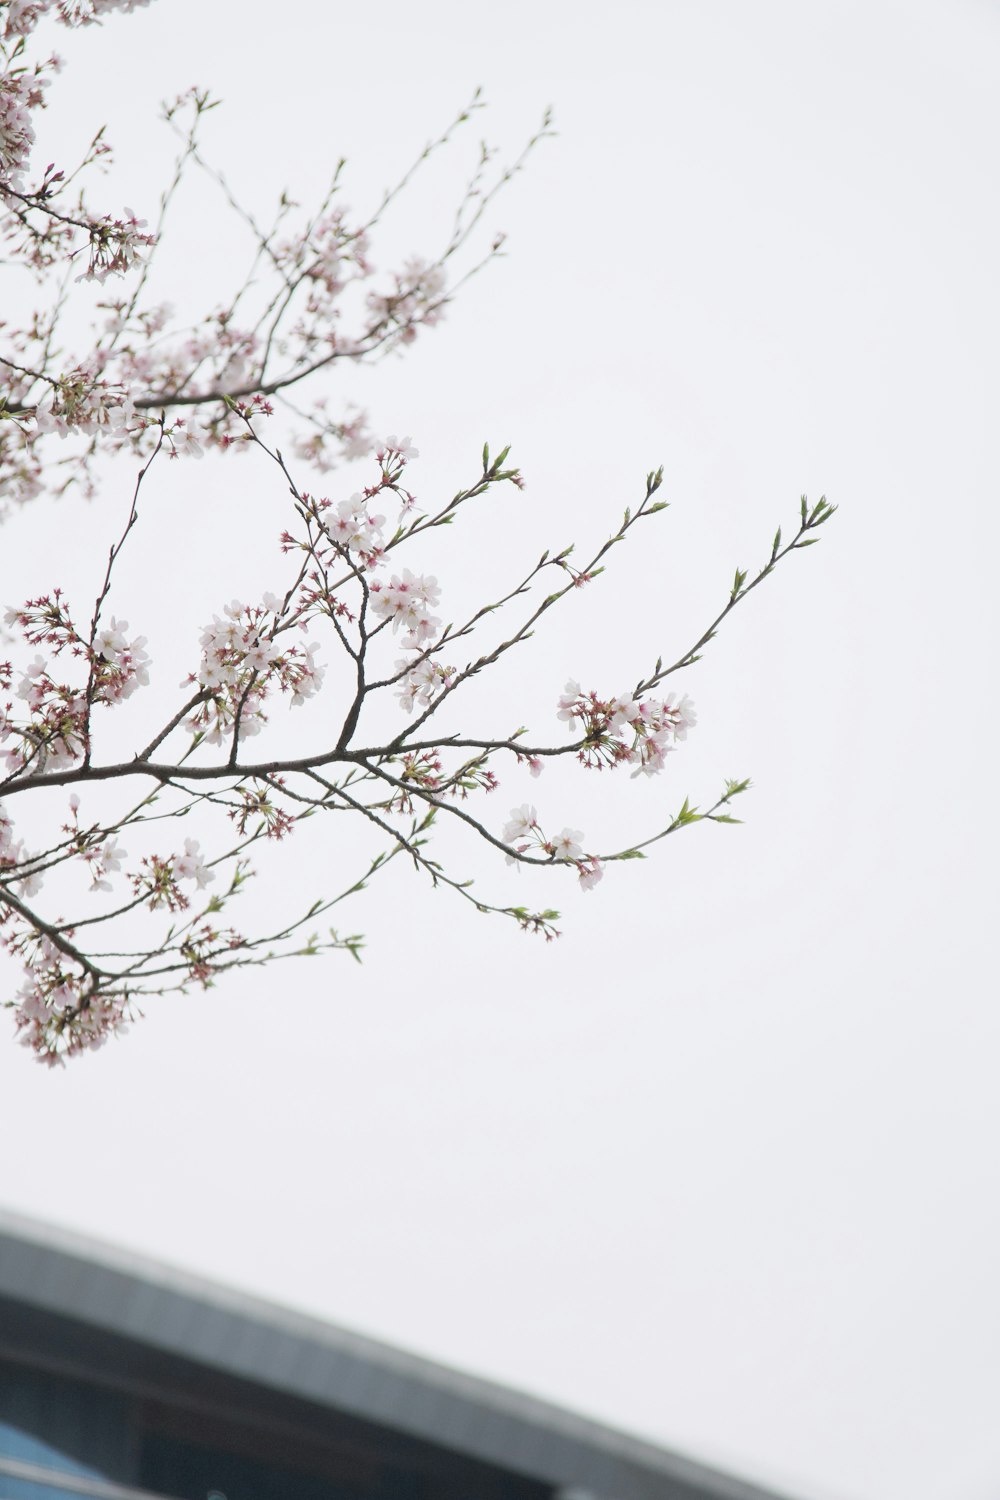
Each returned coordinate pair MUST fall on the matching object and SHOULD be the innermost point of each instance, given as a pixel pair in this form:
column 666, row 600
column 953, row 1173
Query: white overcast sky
column 718, row 1167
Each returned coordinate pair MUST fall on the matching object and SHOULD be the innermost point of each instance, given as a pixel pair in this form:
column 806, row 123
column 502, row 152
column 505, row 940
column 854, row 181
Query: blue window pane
column 27, row 1489
column 62, row 1424
column 29, row 1448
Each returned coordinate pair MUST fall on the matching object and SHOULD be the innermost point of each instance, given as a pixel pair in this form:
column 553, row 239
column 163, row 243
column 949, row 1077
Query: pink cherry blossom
column 590, row 872
column 520, row 824
column 401, row 447
column 568, row 702
column 191, row 866
column 566, row 845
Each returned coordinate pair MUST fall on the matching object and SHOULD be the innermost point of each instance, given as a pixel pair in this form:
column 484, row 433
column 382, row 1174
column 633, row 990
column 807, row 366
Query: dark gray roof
column 171, row 1311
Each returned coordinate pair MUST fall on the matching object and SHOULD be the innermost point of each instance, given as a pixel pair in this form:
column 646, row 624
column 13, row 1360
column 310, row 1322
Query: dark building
column 121, row 1379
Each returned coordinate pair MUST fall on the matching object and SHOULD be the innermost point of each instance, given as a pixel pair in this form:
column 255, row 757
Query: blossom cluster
column 58, row 1014
column 21, row 472
column 21, row 91
column 55, row 735
column 311, row 296
column 421, row 682
column 62, row 1008
column 119, row 665
column 355, row 534
column 22, row 16
column 201, row 946
column 57, row 731
column 625, row 730
column 81, row 403
column 242, row 660
column 191, row 865
column 392, row 450
column 331, row 439
column 274, row 340
column 156, row 881
column 55, row 1012
column 351, row 526
column 136, row 354
column 425, row 770
column 115, row 246
column 524, row 833
column 331, row 255
column 220, row 358
column 407, row 600
column 417, row 297
column 257, row 807
column 15, row 861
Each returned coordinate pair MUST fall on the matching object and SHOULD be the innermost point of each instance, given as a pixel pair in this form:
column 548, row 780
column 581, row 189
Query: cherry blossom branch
column 277, row 330
column 158, row 374
column 193, row 949
column 96, row 653
column 810, row 519
column 533, row 921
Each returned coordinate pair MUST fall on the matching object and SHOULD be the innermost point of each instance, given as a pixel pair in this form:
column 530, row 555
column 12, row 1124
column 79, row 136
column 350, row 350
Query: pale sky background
column 719, row 1167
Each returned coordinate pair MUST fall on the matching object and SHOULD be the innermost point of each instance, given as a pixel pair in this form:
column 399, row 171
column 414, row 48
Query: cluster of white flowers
column 81, row 404
column 229, row 648
column 185, row 439
column 521, row 824
column 653, row 725
column 407, row 600
column 523, row 832
column 116, row 245
column 24, row 15
column 32, row 687
column 85, row 12
column 241, row 660
column 108, row 858
column 350, row 433
column 350, row 525
column 57, row 731
column 191, row 866
column 333, row 253
column 14, row 856
column 20, row 483
column 54, row 741
column 120, row 665
column 421, row 682
column 417, row 297
column 20, row 93
column 396, row 447
column 53, row 1018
